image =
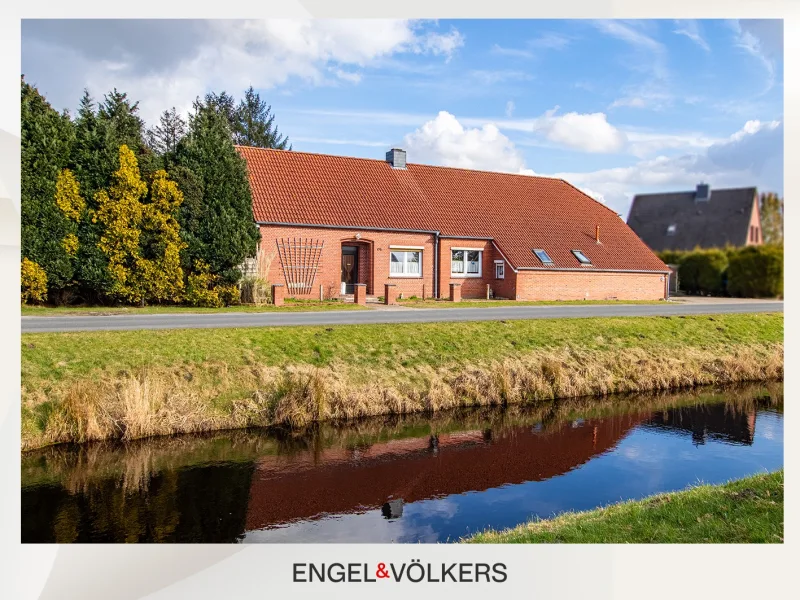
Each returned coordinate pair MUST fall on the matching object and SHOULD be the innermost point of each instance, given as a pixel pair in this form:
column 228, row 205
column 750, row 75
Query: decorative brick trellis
column 300, row 259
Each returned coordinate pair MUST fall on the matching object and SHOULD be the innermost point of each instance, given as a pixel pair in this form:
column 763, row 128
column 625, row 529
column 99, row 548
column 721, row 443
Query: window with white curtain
column 405, row 263
column 466, row 263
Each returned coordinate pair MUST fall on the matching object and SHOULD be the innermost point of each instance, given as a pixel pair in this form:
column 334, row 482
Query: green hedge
column 703, row 272
column 750, row 271
column 756, row 272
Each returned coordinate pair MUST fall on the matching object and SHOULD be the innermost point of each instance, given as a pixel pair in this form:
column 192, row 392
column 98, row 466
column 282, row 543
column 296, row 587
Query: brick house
column 704, row 217
column 331, row 224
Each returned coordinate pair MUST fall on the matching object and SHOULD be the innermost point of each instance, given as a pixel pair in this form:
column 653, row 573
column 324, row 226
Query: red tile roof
column 519, row 212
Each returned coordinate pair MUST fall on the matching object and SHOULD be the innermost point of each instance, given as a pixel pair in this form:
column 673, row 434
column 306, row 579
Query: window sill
column 459, row 276
column 405, row 276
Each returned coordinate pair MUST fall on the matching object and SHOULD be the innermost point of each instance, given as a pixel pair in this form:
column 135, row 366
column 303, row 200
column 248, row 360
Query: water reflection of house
column 715, row 421
column 304, row 486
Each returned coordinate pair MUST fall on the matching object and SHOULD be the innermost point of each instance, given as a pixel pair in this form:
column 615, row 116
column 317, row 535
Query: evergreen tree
column 218, row 230
column 47, row 137
column 93, row 161
column 163, row 138
column 224, row 104
column 772, row 218
column 122, row 119
column 255, row 124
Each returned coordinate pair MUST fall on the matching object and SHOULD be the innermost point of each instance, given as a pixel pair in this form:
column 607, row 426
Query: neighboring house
column 706, row 218
column 330, row 222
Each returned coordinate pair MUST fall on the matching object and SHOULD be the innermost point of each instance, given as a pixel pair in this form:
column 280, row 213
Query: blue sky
column 614, row 107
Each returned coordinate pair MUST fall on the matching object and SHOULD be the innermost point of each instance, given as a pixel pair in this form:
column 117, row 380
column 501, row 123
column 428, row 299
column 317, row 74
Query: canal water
column 421, row 478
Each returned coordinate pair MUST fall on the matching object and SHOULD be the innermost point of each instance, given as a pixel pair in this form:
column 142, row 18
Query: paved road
column 419, row 315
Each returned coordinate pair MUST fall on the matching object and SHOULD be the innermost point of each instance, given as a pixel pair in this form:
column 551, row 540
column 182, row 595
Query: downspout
column 436, row 267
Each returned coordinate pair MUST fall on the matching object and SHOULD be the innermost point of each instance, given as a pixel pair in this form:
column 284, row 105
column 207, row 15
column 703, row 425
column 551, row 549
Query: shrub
column 672, row 257
column 703, row 271
column 228, row 294
column 255, row 290
column 199, row 287
column 33, row 281
column 756, row 272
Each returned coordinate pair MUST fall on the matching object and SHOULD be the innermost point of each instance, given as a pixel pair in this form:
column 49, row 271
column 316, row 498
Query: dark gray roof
column 723, row 219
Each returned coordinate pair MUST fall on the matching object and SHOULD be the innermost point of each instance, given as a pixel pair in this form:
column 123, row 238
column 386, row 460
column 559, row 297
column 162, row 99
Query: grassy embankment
column 290, row 306
column 748, row 510
column 134, row 384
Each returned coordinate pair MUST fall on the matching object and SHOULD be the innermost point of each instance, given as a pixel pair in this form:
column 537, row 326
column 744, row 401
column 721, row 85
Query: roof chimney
column 397, row 158
column 703, row 193
column 597, row 234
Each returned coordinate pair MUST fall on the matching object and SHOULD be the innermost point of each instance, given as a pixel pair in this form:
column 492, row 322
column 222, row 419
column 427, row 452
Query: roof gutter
column 282, row 224
column 590, row 270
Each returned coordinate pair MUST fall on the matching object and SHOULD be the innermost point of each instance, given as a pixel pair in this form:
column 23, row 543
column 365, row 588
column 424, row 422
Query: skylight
column 671, row 229
column 581, row 257
column 543, row 256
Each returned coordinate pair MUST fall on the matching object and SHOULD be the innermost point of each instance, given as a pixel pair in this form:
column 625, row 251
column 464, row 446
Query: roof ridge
column 408, row 164
column 730, row 189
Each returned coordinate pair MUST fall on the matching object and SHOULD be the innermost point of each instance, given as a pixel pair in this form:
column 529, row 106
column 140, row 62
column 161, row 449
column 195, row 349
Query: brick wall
column 755, row 236
column 374, row 269
column 572, row 285
column 375, row 272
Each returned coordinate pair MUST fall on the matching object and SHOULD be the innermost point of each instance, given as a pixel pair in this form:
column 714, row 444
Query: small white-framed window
column 466, row 263
column 582, row 258
column 499, row 269
column 405, row 263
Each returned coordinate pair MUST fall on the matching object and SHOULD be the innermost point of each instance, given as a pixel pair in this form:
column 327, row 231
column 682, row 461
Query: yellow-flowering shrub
column 138, row 274
column 33, row 281
column 68, row 196
column 229, row 294
column 199, row 287
column 70, row 243
column 120, row 211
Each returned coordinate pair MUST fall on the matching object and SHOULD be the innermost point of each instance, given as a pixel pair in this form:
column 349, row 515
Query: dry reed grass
column 162, row 401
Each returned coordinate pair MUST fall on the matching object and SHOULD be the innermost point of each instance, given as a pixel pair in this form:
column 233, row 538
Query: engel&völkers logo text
column 414, row 571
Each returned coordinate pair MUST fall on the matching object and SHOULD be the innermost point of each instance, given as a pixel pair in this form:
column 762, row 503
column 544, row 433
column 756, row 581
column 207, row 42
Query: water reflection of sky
column 647, row 460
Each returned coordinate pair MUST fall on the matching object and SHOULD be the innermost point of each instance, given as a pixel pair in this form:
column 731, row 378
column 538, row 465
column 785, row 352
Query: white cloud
column 510, row 108
column 752, row 156
column 650, row 60
column 515, row 52
column 182, row 60
column 551, row 41
column 589, row 132
column 691, row 29
column 763, row 40
column 488, row 78
column 445, row 141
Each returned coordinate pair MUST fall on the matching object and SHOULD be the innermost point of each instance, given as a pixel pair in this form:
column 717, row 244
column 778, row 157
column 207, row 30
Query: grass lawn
column 747, row 510
column 48, row 356
column 290, row 306
column 417, row 303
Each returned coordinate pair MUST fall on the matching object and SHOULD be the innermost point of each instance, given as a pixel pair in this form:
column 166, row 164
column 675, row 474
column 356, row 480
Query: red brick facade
column 571, row 285
column 374, row 269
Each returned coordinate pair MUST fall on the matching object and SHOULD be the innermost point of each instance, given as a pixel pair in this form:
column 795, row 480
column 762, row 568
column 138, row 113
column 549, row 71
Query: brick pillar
column 360, row 293
column 278, row 293
column 455, row 292
column 390, row 294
